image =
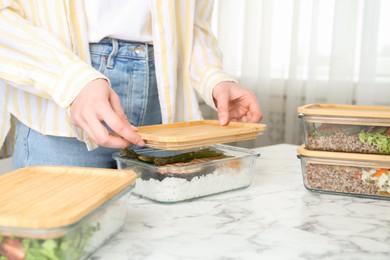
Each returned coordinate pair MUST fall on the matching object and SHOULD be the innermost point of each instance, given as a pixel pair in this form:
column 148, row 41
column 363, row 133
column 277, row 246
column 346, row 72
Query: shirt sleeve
column 35, row 60
column 206, row 67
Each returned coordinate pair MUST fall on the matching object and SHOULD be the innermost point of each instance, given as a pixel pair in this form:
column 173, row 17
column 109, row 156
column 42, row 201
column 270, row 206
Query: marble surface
column 274, row 218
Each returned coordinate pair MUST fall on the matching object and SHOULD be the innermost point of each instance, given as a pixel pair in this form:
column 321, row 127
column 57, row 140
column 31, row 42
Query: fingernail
column 223, row 121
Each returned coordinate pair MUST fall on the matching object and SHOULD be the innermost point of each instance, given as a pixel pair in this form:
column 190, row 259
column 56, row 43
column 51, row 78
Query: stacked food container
column 346, row 149
column 184, row 161
column 65, row 213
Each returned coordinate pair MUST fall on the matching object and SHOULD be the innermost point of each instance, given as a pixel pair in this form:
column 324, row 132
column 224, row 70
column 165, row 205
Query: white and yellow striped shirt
column 44, row 62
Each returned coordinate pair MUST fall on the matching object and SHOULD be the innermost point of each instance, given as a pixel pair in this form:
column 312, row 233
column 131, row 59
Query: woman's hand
column 235, row 103
column 97, row 103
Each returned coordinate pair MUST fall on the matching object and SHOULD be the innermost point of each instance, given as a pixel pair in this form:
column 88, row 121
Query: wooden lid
column 345, row 111
column 358, row 157
column 44, row 197
column 193, row 134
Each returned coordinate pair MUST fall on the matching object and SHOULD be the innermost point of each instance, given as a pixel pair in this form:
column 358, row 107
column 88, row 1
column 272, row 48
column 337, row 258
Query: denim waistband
column 118, row 48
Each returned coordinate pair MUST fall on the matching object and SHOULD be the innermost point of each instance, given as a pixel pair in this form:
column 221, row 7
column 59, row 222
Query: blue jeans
column 130, row 68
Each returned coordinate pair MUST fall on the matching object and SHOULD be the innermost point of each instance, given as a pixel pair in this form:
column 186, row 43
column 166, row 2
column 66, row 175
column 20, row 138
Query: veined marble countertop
column 274, row 218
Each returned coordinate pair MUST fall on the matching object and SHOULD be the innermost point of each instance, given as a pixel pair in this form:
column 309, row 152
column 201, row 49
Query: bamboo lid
column 44, row 197
column 345, row 111
column 339, row 156
column 193, row 134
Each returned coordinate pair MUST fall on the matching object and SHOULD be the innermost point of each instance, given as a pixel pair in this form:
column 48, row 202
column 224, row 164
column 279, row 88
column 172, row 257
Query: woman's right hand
column 97, row 103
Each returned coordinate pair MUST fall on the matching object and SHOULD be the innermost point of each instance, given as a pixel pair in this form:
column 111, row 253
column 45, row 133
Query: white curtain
column 295, row 52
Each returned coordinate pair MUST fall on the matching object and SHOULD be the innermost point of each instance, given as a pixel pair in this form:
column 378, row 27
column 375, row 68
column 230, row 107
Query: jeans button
column 139, row 49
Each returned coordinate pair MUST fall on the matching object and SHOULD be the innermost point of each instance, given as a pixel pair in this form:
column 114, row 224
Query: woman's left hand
column 235, row 103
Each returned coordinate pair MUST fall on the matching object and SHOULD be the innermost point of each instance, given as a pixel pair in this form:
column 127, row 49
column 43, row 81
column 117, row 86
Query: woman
column 78, row 76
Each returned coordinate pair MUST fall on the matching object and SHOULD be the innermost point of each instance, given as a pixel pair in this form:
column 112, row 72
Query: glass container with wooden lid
column 54, row 212
column 346, row 128
column 168, row 176
column 356, row 174
column 187, row 160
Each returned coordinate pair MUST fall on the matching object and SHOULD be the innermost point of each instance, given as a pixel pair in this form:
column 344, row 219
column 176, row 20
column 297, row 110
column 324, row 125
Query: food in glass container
column 353, row 174
column 348, row 138
column 76, row 242
column 347, row 179
column 346, row 128
column 60, row 212
column 226, row 168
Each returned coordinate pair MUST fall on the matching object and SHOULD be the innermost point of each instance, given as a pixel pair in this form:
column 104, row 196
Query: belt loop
column 146, row 51
column 114, row 52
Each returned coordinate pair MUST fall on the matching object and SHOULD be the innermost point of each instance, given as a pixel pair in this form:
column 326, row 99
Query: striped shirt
column 44, row 63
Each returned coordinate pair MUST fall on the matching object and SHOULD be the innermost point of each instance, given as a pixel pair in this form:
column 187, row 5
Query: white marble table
column 274, row 218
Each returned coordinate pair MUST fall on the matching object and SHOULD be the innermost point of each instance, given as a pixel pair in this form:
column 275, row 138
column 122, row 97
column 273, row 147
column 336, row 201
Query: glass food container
column 364, row 175
column 53, row 212
column 346, row 128
column 176, row 182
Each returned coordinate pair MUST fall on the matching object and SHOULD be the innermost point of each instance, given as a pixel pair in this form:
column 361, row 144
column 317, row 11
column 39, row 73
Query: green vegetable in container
column 377, row 137
column 71, row 246
column 183, row 157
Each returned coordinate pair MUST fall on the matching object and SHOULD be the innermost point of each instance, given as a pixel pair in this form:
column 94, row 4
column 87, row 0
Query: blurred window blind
column 295, row 52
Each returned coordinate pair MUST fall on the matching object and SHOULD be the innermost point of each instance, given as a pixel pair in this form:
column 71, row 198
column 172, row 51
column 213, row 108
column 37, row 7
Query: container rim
column 346, row 111
column 362, row 157
column 248, row 152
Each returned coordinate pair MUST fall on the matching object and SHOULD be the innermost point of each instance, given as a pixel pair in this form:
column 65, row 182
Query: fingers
column 103, row 137
column 245, row 108
column 116, row 105
column 119, row 123
column 254, row 115
column 221, row 100
column 121, row 127
column 246, row 114
column 244, row 119
column 98, row 103
column 223, row 109
column 98, row 133
column 235, row 103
